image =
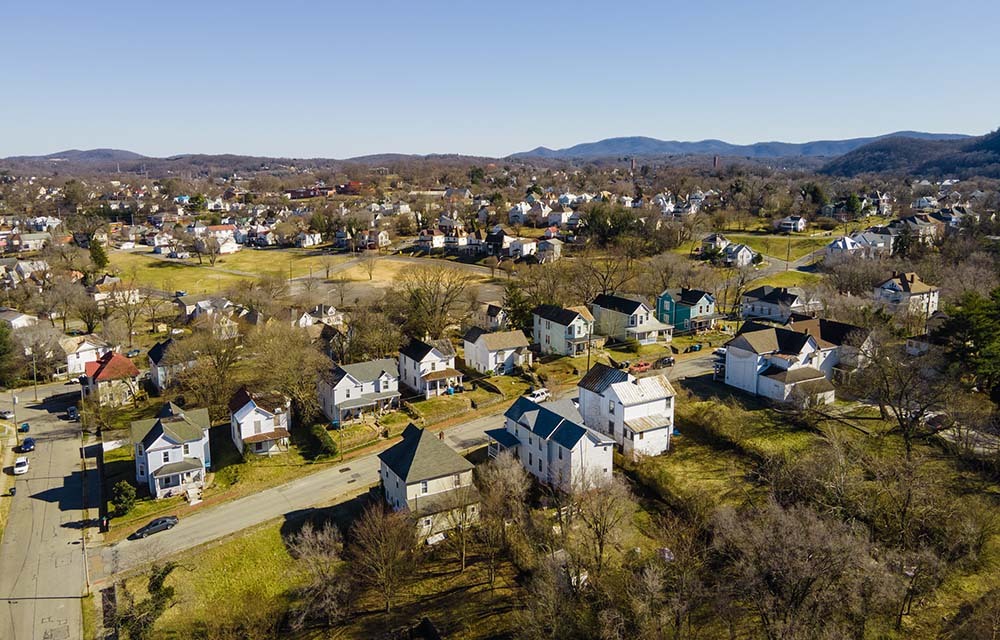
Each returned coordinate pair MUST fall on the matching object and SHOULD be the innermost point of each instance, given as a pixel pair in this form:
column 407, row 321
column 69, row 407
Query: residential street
column 41, row 557
column 321, row 488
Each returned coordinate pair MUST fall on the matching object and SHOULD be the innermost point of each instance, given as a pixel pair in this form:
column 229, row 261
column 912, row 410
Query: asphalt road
column 318, row 489
column 41, row 557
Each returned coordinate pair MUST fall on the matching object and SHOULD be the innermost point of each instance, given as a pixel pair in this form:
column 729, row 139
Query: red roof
column 221, row 227
column 111, row 366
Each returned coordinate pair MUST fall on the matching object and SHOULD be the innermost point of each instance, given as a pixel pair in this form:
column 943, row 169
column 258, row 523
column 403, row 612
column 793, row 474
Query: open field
column 791, row 247
column 788, row 279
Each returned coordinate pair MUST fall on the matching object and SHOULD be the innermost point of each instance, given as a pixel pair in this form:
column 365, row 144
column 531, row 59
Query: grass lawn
column 253, row 568
column 789, row 279
column 780, row 246
column 173, row 275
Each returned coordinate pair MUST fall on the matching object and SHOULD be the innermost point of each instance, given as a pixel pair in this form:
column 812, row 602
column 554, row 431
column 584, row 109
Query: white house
column 776, row 303
column 777, row 363
column 908, row 292
column 259, row 421
column 423, row 475
column 549, row 250
column 351, row 390
column 80, row 350
column 637, row 412
column 490, row 316
column 17, row 320
column 496, row 353
column 789, row 224
column 553, row 445
column 738, row 255
column 172, row 451
column 559, row 331
column 429, row 369
column 628, row 319
column 842, row 246
column 164, row 364
column 522, row 247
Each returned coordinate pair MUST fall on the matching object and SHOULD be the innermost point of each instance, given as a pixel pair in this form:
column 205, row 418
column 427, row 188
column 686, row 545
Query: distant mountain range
column 961, row 158
column 651, row 147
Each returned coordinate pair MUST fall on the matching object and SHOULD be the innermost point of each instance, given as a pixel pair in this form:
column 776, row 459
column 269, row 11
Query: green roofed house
column 687, row 309
column 428, row 478
column 172, row 451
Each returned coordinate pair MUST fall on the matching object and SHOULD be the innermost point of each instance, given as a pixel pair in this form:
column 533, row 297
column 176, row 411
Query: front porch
column 267, row 444
column 375, row 404
column 177, row 478
column 500, row 440
column 437, row 383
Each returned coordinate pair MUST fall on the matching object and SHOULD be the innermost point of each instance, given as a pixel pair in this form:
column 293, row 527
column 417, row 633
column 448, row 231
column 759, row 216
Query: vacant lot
column 781, row 246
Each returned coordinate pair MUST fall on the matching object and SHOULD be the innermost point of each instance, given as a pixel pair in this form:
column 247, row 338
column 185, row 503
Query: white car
column 539, row 395
column 20, row 466
column 7, row 414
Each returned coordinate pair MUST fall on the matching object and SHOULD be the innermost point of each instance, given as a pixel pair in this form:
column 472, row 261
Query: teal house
column 687, row 309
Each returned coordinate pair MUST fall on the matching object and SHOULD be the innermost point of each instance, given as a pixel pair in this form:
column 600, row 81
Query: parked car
column 28, row 444
column 156, row 526
column 7, row 414
column 721, row 351
column 24, row 427
column 20, row 466
column 640, row 367
column 176, row 332
column 132, row 353
column 72, row 413
column 664, row 362
column 539, row 395
column 180, row 293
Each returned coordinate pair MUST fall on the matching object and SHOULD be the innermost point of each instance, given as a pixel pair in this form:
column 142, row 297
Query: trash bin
column 105, row 524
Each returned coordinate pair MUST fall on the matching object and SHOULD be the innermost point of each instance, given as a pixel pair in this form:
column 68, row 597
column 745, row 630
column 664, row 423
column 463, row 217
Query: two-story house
column 496, row 353
column 172, row 451
column 429, row 369
column 112, row 380
column 564, row 332
column 637, row 412
column 778, row 363
column 80, row 350
column 776, row 303
column 688, row 310
column 423, row 475
column 490, row 316
column 907, row 292
column 790, row 224
column 349, row 391
column 166, row 361
column 628, row 319
column 552, row 444
column 259, row 422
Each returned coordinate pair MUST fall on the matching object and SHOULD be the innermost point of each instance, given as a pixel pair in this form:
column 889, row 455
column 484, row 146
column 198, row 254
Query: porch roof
column 505, row 438
column 277, row 434
column 367, row 399
column 174, row 468
column 442, row 375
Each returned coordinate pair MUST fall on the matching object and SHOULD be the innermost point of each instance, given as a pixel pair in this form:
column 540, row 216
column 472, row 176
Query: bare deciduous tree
column 383, row 551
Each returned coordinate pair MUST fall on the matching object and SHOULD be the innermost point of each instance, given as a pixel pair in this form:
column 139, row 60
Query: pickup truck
column 640, row 367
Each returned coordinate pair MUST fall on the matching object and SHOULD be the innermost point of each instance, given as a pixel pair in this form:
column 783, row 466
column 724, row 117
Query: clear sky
column 332, row 79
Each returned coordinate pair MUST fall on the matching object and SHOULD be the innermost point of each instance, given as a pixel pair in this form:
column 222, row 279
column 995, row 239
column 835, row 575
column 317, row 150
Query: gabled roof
column 549, row 425
column 421, row 455
column 643, row 390
column 687, row 297
column 828, row 332
column 908, row 282
column 159, row 351
column 111, row 366
column 418, row 349
column 760, row 339
column 621, row 304
column 366, row 371
column 176, row 424
column 497, row 340
column 774, row 295
column 600, row 377
column 269, row 401
column 560, row 315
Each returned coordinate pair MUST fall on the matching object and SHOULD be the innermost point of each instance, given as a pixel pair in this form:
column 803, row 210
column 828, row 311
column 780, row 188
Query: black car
column 664, row 362
column 156, row 526
column 28, row 444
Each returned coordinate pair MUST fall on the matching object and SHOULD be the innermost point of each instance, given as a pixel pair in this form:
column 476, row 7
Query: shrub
column 325, row 443
column 123, row 497
column 826, row 223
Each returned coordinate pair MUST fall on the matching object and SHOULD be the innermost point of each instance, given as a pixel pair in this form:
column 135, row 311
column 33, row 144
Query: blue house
column 687, row 309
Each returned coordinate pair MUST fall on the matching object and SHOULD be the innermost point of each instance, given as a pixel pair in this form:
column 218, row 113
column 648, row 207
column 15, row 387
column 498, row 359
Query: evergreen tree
column 98, row 255
column 8, row 357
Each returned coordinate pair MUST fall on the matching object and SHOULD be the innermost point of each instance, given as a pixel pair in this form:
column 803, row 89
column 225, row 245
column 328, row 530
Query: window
column 423, row 486
column 641, row 434
column 348, row 393
column 166, row 456
column 142, row 469
column 458, row 480
column 560, row 453
column 427, row 522
column 611, row 407
column 531, row 460
column 187, row 449
column 258, row 446
column 539, row 464
column 530, row 441
column 611, row 427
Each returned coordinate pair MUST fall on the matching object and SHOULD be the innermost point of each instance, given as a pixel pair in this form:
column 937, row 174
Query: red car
column 639, row 367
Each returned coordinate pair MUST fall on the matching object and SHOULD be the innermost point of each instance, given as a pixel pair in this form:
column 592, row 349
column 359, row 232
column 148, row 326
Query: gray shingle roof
column 176, row 424
column 422, row 456
column 366, row 371
column 600, row 377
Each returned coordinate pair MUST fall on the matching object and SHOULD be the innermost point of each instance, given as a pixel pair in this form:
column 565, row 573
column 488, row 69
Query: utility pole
column 17, row 436
column 34, row 372
column 788, row 252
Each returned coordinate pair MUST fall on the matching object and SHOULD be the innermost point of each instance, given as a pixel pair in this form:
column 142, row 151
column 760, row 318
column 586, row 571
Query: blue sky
column 336, row 79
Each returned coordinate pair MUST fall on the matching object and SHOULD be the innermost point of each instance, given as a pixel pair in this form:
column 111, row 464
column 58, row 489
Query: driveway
column 318, row 489
column 41, row 556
